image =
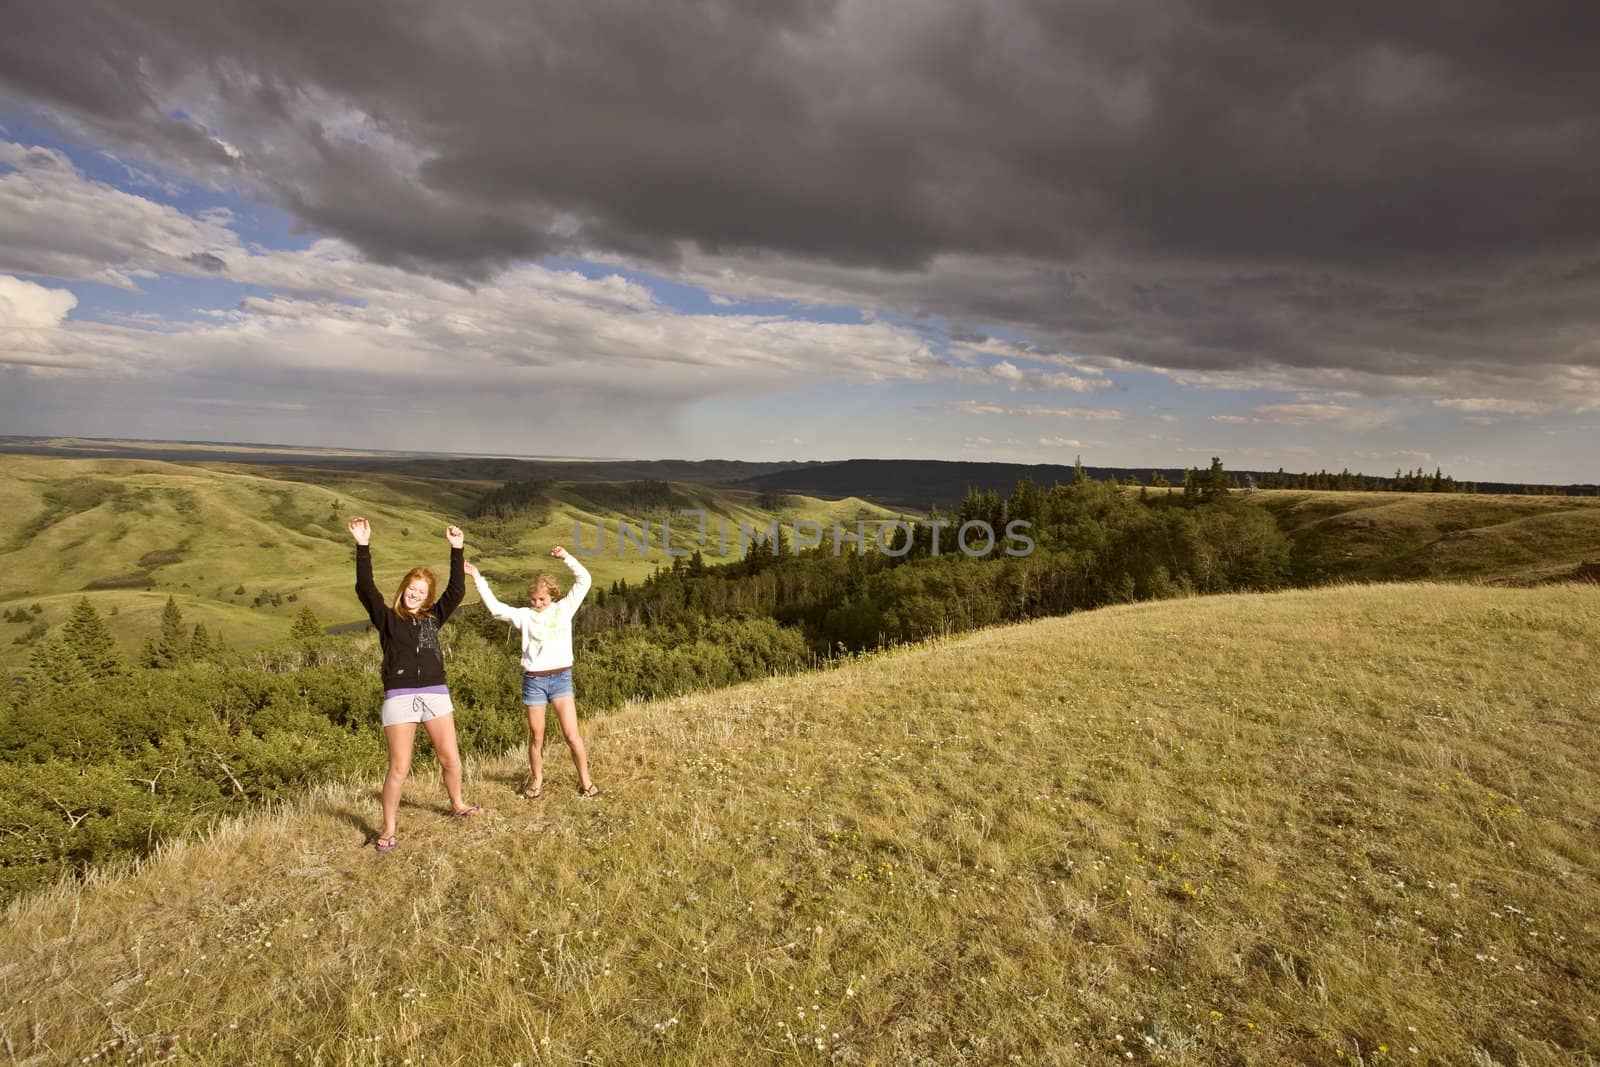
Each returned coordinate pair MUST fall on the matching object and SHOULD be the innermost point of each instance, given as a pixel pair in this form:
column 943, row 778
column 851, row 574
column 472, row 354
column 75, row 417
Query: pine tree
column 90, row 639
column 306, row 626
column 171, row 647
column 1215, row 481
column 53, row 668
column 200, row 644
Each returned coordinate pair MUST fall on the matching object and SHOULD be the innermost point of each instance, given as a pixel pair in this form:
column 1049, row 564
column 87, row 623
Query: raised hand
column 470, row 569
column 559, row 552
column 361, row 530
column 454, row 535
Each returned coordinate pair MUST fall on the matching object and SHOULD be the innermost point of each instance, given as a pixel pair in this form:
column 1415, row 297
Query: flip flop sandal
column 466, row 813
column 592, row 791
column 532, row 793
column 386, row 843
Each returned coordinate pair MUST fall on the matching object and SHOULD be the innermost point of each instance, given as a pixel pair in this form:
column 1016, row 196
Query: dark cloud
column 1217, row 184
column 206, row 261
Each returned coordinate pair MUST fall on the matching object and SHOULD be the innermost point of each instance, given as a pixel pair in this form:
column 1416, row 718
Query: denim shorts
column 543, row 688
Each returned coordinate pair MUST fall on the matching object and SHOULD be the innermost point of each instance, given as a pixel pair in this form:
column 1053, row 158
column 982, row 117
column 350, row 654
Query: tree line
column 1093, row 544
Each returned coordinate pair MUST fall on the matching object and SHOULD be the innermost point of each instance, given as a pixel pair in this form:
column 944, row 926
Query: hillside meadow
column 1358, row 536
column 1347, row 825
column 242, row 549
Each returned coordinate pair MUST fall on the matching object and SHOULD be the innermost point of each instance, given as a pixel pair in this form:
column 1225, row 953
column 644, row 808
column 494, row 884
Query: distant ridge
column 498, row 467
column 916, row 483
column 912, row 484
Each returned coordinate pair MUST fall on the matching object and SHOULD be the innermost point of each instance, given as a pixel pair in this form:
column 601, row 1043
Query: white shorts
column 415, row 707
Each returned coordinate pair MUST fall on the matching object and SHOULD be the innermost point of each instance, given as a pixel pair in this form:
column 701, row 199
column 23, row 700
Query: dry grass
column 1356, row 825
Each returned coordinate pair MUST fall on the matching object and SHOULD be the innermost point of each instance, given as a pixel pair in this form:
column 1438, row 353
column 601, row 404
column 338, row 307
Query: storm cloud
column 1366, row 197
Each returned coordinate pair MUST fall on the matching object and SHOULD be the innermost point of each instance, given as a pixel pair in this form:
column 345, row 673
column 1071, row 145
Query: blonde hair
column 545, row 580
column 400, row 594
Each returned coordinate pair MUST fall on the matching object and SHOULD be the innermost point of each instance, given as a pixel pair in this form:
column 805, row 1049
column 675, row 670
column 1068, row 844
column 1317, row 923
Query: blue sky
column 366, row 264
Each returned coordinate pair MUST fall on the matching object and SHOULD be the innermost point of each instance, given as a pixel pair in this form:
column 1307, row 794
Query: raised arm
column 485, row 594
column 366, row 590
column 580, row 581
column 456, row 588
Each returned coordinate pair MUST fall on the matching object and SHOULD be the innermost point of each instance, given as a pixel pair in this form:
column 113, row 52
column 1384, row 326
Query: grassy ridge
column 1350, row 825
column 131, row 533
column 1408, row 536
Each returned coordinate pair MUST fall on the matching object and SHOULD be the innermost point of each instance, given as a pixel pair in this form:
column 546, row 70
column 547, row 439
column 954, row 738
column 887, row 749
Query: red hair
column 400, row 594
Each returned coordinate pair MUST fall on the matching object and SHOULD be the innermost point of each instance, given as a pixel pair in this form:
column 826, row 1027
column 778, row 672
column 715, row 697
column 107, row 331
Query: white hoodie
column 547, row 634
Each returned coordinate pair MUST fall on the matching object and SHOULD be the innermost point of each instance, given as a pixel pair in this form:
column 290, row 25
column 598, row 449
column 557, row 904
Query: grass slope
column 1404, row 536
column 1352, row 825
column 131, row 533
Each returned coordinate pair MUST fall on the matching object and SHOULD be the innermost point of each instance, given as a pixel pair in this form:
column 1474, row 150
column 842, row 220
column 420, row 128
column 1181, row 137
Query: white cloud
column 1032, row 411
column 56, row 222
column 1080, row 378
column 1306, row 414
column 1486, row 405
column 26, row 305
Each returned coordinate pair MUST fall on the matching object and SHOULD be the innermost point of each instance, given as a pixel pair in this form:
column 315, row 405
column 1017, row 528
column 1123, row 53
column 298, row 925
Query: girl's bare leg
column 399, row 738
column 442, row 732
column 567, row 716
column 535, row 748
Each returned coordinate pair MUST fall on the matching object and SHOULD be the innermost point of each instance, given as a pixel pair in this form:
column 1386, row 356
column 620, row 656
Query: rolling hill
column 242, row 548
column 1348, row 825
column 1451, row 536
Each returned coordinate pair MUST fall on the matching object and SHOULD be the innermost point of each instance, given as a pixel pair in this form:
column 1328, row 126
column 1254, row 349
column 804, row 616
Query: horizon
column 1149, row 236
column 267, row 448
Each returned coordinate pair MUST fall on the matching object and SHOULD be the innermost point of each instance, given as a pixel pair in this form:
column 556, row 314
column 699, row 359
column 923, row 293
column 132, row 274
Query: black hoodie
column 412, row 658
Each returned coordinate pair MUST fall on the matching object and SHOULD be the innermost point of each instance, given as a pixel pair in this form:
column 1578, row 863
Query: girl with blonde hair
column 546, row 629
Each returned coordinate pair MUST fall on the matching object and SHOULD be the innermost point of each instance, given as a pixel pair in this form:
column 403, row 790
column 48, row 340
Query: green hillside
column 243, row 548
column 1405, row 536
column 1349, row 825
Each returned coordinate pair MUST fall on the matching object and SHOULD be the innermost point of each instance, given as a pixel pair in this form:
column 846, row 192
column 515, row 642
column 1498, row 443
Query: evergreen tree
column 1215, row 481
column 54, row 667
column 971, row 507
column 1026, row 503
column 200, row 644
column 306, row 626
column 171, row 647
column 89, row 638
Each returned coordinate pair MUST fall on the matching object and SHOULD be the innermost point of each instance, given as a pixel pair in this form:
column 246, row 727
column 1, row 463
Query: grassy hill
column 1351, row 825
column 243, row 547
column 1402, row 536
